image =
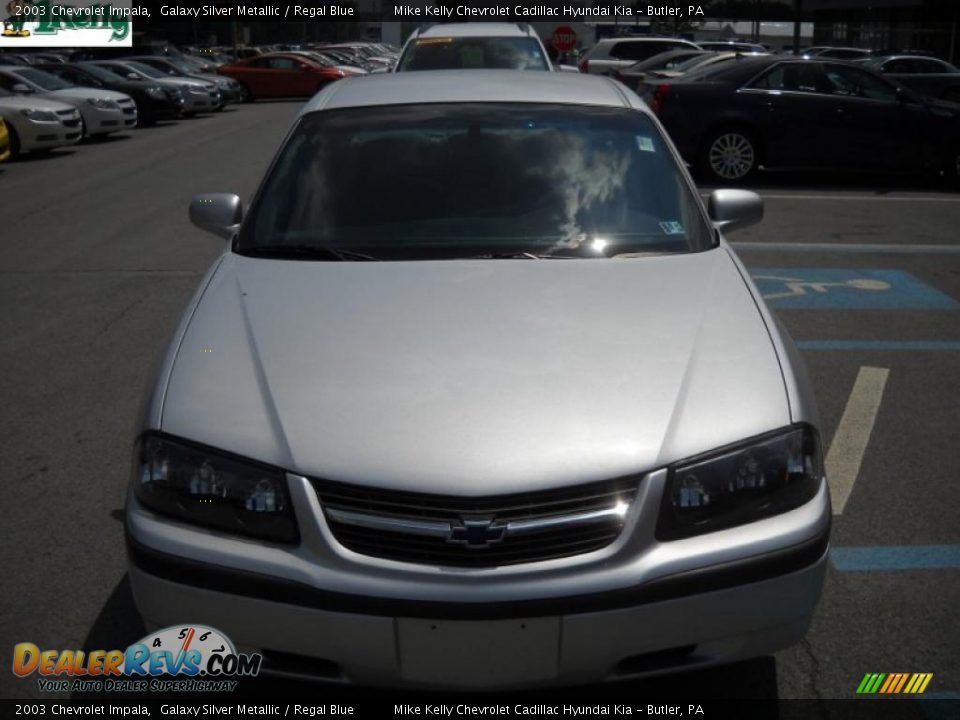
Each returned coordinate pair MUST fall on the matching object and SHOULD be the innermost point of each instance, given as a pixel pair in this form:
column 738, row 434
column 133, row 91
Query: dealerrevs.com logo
column 187, row 658
column 66, row 23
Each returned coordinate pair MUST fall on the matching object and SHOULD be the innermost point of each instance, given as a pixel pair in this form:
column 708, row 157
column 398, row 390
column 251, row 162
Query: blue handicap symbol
column 848, row 289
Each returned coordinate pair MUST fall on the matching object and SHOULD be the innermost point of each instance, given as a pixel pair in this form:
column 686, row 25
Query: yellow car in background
column 4, row 141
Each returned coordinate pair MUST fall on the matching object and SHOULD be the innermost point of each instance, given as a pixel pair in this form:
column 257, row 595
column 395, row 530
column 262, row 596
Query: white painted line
column 879, row 248
column 853, row 433
column 857, row 198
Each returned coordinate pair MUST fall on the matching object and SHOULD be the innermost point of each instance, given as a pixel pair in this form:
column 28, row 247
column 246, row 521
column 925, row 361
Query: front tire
column 14, row 142
column 730, row 155
column 951, row 173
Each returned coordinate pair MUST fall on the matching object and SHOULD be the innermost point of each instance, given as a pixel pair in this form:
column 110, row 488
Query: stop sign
column 564, row 39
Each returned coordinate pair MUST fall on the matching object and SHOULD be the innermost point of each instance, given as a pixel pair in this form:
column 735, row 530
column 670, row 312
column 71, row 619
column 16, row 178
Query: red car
column 280, row 75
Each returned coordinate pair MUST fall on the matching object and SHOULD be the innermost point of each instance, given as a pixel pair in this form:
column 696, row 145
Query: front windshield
column 184, row 66
column 144, row 69
column 462, row 53
column 101, row 73
column 419, row 182
column 43, row 79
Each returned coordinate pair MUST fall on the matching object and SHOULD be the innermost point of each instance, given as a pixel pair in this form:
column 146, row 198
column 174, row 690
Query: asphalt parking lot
column 97, row 260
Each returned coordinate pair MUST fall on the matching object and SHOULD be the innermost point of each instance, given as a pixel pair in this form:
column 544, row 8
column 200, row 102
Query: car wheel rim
column 731, row 156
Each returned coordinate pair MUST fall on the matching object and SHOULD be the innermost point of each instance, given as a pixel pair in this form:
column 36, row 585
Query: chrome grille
column 476, row 532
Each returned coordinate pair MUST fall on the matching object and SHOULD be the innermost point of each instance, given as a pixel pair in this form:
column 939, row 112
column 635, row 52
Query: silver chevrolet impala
column 477, row 395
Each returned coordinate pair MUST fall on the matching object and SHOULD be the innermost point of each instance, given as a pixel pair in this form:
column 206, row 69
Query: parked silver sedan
column 475, row 373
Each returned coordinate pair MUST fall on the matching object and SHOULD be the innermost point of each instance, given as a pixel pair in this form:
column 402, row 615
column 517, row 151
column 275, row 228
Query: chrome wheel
column 731, row 156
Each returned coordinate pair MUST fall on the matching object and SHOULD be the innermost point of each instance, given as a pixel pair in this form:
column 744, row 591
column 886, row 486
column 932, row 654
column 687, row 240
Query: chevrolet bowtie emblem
column 476, row 532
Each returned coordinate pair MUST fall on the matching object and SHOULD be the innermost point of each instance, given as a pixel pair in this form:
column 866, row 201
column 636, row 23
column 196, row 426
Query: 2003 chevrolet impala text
column 478, row 395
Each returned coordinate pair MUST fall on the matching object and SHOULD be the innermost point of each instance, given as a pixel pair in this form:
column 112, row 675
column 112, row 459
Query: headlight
column 196, row 90
column 102, row 104
column 764, row 476
column 156, row 92
column 207, row 487
column 40, row 115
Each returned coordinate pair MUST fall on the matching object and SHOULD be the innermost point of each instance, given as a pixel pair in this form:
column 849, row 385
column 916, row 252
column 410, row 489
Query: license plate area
column 476, row 654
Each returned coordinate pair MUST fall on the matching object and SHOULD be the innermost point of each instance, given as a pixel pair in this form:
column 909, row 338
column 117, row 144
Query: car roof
column 456, row 86
column 647, row 39
column 485, row 29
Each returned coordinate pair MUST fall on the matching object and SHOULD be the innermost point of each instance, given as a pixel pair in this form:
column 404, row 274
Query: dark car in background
column 154, row 102
column 183, row 68
column 198, row 95
column 927, row 75
column 775, row 112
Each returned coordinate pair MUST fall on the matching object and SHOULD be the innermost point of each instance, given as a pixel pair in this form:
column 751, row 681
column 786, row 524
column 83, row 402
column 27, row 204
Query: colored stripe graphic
column 894, row 683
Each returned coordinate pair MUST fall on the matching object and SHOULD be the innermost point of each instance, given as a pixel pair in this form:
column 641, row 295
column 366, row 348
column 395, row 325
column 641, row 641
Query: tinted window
column 101, row 74
column 853, row 82
column 43, row 79
column 282, row 63
column 899, row 65
column 477, row 179
column 641, row 50
column 924, row 65
column 509, row 53
column 794, row 77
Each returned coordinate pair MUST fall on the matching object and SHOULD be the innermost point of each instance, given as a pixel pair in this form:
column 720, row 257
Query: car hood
column 83, row 93
column 475, row 376
column 20, row 102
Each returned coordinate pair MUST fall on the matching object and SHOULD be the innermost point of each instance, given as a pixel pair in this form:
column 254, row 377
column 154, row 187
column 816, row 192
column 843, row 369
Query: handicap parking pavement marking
column 848, row 289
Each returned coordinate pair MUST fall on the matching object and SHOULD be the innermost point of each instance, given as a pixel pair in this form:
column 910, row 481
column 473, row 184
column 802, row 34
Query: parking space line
column 878, row 344
column 871, row 248
column 861, row 198
column 855, row 198
column 895, row 557
column 853, row 433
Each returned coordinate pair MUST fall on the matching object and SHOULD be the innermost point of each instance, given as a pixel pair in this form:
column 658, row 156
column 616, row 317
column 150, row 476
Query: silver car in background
column 102, row 111
column 521, row 420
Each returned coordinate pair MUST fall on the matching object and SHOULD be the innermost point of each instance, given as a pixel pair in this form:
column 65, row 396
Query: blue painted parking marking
column 878, row 344
column 895, row 557
column 848, row 289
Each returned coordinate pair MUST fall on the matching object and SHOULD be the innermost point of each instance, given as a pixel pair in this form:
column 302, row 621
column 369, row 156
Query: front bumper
column 102, row 122
column 47, row 136
column 657, row 610
column 524, row 650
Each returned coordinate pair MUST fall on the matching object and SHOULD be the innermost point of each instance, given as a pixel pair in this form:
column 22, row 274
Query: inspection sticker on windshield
column 671, row 227
column 645, row 143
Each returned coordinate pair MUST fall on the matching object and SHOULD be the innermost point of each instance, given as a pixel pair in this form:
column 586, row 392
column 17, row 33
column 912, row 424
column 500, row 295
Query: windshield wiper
column 520, row 256
column 312, row 252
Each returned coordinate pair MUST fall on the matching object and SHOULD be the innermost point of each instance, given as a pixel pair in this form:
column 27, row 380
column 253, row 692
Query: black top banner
column 606, row 11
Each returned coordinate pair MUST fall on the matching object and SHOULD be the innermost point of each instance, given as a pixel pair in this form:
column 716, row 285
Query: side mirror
column 21, row 89
column 567, row 68
column 733, row 209
column 217, row 213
